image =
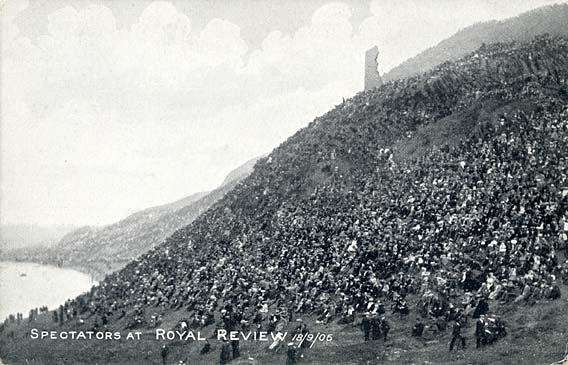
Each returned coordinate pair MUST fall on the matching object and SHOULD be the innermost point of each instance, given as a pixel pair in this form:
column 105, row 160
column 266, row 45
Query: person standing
column 366, row 326
column 456, row 335
column 164, row 353
column 385, row 327
column 226, row 352
column 479, row 331
column 375, row 329
column 235, row 347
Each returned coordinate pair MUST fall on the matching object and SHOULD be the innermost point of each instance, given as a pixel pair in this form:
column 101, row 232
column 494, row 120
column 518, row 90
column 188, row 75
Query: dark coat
column 226, row 353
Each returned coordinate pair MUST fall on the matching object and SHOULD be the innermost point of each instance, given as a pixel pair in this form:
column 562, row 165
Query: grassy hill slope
column 356, row 207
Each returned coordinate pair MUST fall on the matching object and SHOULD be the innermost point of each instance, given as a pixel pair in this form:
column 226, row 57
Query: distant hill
column 238, row 174
column 13, row 236
column 523, row 28
column 107, row 248
column 126, row 230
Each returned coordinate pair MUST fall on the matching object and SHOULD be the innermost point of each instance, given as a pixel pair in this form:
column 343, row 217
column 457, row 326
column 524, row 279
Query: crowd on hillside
column 467, row 226
column 469, row 223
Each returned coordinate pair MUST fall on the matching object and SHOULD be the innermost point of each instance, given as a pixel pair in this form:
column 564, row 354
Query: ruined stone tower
column 372, row 76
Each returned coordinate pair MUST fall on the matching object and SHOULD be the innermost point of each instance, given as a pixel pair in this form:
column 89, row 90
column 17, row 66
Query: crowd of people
column 478, row 218
column 19, row 317
column 339, row 221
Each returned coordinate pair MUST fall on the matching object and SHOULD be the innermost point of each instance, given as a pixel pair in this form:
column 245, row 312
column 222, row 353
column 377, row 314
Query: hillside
column 548, row 19
column 102, row 250
column 113, row 246
column 435, row 193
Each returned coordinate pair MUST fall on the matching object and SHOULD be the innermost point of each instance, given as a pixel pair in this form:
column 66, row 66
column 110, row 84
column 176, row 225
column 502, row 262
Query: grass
column 537, row 334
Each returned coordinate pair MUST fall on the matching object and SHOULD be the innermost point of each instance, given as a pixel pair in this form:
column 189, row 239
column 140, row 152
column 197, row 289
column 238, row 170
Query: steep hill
column 438, row 192
column 112, row 246
column 548, row 19
column 105, row 249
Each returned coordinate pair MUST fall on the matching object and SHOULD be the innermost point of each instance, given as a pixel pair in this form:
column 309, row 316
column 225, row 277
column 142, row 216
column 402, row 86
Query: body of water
column 24, row 286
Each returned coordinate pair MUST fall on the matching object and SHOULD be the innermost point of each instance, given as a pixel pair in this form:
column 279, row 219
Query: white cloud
column 109, row 120
column 99, row 121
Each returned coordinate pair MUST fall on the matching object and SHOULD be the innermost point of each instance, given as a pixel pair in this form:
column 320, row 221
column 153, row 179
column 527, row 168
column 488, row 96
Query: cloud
column 99, row 121
column 316, row 55
column 116, row 120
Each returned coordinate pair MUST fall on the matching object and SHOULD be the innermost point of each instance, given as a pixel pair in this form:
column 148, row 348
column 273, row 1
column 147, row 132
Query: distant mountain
column 14, row 236
column 238, row 174
column 523, row 28
column 105, row 249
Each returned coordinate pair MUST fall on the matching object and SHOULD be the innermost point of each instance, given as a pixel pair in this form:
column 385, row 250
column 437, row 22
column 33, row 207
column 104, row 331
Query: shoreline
column 31, row 286
column 96, row 273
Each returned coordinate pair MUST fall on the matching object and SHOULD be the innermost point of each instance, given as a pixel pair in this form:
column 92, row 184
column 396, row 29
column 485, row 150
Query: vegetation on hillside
column 434, row 193
column 546, row 20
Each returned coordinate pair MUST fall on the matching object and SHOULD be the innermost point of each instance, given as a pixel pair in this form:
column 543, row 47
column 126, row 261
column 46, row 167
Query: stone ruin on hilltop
column 372, row 77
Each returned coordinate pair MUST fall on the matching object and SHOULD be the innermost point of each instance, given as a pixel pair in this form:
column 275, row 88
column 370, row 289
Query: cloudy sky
column 111, row 106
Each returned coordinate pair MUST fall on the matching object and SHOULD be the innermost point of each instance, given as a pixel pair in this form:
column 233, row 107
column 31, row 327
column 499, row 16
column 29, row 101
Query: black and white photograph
column 264, row 182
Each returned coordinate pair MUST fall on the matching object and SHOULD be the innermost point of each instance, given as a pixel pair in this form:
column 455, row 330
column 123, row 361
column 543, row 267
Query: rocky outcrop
column 372, row 76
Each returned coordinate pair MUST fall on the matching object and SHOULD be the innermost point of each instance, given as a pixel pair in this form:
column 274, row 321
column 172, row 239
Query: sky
column 112, row 106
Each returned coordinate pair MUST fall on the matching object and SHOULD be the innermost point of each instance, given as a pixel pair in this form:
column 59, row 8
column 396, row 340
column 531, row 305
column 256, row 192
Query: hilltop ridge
column 522, row 28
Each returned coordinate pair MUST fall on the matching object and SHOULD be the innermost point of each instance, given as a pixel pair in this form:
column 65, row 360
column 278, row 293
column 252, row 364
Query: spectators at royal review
column 334, row 224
